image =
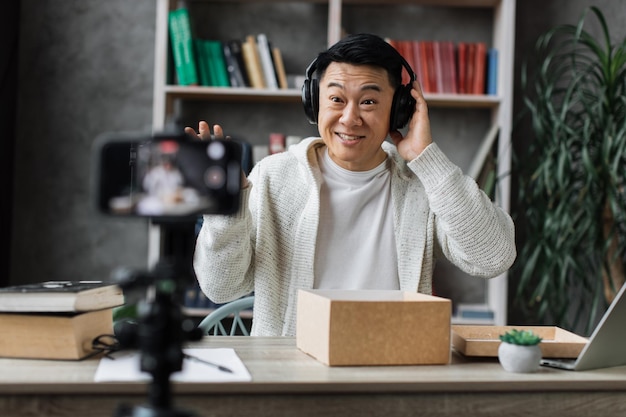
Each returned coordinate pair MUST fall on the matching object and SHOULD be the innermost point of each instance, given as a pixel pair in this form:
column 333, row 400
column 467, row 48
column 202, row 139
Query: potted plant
column 519, row 351
column 571, row 205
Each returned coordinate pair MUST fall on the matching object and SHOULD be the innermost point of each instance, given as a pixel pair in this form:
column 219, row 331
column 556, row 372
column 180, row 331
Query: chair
column 212, row 323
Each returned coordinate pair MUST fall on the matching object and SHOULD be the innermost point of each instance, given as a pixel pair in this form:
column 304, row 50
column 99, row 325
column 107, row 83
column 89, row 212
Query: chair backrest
column 212, row 323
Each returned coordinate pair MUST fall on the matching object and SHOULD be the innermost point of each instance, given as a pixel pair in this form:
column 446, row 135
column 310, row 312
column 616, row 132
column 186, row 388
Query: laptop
column 606, row 346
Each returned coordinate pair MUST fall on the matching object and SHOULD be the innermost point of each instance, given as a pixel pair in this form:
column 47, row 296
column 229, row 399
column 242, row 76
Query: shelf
column 444, row 3
column 293, row 95
column 337, row 14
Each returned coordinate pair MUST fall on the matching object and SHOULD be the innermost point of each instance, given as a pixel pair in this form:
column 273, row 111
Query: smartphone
column 166, row 177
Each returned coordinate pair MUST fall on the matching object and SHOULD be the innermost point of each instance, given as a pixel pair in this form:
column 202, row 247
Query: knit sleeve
column 223, row 254
column 472, row 232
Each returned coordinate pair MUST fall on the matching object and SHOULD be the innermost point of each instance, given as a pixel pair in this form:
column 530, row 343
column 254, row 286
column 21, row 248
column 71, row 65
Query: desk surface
column 276, row 365
column 280, row 371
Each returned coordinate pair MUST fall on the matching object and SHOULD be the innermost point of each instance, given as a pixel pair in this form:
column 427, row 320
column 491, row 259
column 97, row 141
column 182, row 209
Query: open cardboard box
column 485, row 340
column 371, row 327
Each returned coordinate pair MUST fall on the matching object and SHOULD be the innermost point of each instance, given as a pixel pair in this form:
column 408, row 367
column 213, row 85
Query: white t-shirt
column 356, row 247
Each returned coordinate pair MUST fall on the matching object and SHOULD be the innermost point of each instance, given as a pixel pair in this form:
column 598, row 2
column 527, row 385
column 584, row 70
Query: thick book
column 267, row 64
column 60, row 296
column 252, row 60
column 68, row 336
column 217, row 63
column 183, row 47
column 234, row 63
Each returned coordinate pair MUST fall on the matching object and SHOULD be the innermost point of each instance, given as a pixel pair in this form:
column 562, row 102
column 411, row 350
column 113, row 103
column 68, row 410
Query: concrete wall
column 86, row 67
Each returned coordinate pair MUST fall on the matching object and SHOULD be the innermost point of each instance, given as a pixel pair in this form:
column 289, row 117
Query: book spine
column 176, row 46
column 462, row 67
column 438, row 65
column 492, row 71
column 280, row 68
column 187, row 48
column 253, row 63
column 235, row 75
column 235, row 47
column 480, row 68
column 203, row 63
column 267, row 65
column 417, row 67
column 218, row 63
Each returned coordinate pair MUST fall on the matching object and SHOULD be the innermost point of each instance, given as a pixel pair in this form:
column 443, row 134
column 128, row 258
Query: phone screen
column 168, row 177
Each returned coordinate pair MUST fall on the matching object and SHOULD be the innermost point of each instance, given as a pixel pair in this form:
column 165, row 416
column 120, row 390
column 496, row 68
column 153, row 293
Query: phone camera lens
column 216, row 150
column 215, row 177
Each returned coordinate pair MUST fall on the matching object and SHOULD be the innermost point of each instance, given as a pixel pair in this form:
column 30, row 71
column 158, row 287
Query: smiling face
column 354, row 108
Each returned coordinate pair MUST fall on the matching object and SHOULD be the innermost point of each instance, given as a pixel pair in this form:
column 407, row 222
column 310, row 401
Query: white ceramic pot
column 517, row 358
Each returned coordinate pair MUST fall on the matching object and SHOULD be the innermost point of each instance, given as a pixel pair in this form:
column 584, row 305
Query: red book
column 450, row 66
column 417, row 66
column 471, row 63
column 462, row 67
column 480, row 68
column 428, row 66
column 406, row 50
column 438, row 64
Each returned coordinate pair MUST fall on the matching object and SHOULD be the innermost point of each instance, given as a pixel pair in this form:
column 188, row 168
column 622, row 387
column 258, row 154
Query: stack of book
column 250, row 62
column 447, row 68
column 56, row 319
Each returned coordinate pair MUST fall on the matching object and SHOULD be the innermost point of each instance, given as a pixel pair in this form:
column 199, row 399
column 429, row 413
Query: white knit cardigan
column 269, row 246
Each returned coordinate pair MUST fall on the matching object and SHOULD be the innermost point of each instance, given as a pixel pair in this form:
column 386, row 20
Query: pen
column 220, row 367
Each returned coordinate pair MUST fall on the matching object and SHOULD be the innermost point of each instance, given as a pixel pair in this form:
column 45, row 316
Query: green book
column 203, row 63
column 183, row 47
column 218, row 63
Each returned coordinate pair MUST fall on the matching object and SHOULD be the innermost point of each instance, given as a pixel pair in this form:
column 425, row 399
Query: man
column 350, row 210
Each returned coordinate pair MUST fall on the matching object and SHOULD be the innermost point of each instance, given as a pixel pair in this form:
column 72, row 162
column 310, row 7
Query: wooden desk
column 287, row 382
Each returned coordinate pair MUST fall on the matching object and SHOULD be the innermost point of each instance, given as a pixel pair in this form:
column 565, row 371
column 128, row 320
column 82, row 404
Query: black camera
column 166, row 177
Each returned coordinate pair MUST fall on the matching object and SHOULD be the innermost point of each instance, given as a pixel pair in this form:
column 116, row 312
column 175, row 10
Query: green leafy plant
column 572, row 176
column 520, row 337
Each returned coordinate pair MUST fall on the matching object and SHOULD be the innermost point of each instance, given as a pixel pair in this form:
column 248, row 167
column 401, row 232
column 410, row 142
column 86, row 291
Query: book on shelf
column 492, row 71
column 279, row 65
column 235, row 64
column 204, row 72
column 252, row 61
column 60, row 296
column 480, row 68
column 67, row 336
column 449, row 68
column 267, row 63
column 217, row 64
column 183, row 49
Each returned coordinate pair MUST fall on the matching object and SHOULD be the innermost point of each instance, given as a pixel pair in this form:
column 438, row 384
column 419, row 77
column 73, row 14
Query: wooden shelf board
column 293, row 95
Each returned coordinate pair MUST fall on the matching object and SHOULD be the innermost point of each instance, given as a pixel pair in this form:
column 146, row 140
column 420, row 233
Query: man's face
column 354, row 108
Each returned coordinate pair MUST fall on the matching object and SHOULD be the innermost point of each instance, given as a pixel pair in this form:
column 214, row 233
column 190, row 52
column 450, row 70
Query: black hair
column 363, row 49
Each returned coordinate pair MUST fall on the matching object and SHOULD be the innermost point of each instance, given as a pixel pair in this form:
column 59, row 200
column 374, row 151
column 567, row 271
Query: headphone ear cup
column 402, row 107
column 310, row 96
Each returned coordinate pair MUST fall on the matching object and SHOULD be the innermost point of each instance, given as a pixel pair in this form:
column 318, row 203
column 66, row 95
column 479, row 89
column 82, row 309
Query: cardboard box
column 485, row 340
column 370, row 327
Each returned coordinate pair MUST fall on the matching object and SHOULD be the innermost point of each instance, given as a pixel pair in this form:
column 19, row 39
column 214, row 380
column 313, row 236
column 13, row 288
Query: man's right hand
column 204, row 132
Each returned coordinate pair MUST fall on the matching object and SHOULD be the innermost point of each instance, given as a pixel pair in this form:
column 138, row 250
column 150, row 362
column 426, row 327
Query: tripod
column 161, row 330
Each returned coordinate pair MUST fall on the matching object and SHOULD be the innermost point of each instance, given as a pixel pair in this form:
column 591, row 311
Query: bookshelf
column 336, row 15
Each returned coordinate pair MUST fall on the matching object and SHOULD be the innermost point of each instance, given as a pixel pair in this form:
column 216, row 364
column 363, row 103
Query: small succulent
column 520, row 337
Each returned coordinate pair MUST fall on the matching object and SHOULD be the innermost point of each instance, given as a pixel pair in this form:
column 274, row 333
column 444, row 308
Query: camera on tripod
column 171, row 179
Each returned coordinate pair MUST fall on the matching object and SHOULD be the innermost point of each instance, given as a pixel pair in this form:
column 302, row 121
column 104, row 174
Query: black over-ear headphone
column 402, row 107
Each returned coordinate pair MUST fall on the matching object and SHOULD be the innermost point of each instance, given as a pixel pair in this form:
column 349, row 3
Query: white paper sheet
column 125, row 367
